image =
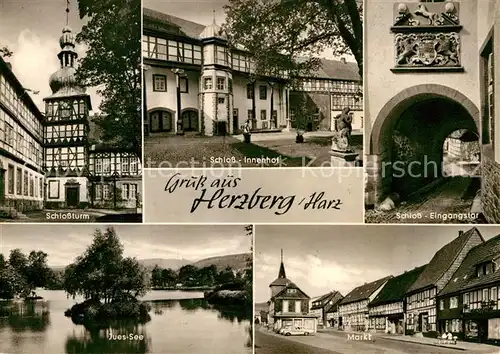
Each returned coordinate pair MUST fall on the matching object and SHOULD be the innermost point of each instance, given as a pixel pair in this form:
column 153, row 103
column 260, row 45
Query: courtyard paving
column 453, row 197
column 194, row 151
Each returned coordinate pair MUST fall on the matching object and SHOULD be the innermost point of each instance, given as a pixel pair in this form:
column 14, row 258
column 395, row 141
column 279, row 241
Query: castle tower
column 281, row 282
column 66, row 131
column 216, row 83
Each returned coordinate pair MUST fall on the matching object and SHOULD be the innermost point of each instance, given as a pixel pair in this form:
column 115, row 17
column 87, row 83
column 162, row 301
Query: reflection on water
column 31, row 316
column 126, row 339
column 177, row 326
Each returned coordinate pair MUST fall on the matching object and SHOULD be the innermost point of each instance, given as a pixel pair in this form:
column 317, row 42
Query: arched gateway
column 406, row 140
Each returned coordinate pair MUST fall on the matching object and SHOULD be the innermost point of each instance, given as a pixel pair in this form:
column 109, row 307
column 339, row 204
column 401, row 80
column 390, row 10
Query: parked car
column 297, row 331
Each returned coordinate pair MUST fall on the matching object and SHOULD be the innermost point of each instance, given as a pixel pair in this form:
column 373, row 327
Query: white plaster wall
column 84, row 197
column 168, row 99
column 381, row 84
column 243, row 104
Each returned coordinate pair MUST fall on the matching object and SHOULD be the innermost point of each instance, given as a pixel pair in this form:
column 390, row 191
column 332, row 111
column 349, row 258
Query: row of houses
column 457, row 292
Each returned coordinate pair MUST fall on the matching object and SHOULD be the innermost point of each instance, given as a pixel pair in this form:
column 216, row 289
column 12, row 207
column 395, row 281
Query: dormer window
column 485, row 268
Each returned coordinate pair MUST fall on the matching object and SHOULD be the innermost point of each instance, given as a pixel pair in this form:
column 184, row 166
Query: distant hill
column 174, row 264
column 261, row 306
column 234, row 261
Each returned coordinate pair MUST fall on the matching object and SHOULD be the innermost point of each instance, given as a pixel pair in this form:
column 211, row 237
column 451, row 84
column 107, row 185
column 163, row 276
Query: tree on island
column 289, row 35
column 112, row 63
column 102, row 273
column 109, row 282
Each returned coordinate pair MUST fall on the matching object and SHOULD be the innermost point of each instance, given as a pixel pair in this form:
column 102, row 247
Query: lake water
column 181, row 322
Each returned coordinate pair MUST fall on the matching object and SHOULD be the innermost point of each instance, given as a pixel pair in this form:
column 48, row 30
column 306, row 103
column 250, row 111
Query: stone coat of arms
column 427, row 49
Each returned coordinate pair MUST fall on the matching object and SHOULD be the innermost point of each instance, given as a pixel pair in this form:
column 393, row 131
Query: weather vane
column 67, row 12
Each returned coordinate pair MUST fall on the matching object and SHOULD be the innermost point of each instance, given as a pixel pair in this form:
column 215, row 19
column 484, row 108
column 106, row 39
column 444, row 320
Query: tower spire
column 67, row 12
column 214, row 16
column 282, row 273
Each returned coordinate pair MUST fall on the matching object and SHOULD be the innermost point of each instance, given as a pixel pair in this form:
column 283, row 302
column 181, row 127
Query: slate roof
column 322, row 300
column 188, row 28
column 442, row 261
column 336, row 299
column 330, row 69
column 364, row 291
column 465, row 277
column 337, row 69
column 395, row 289
column 303, row 295
column 280, row 282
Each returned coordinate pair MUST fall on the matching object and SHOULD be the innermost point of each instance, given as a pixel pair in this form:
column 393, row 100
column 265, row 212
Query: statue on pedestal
column 343, row 129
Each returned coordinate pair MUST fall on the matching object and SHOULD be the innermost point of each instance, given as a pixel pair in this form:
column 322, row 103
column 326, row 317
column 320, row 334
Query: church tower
column 282, row 281
column 66, row 131
column 216, row 83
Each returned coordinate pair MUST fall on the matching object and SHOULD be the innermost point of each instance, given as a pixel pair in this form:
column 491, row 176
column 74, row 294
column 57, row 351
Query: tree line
column 21, row 274
column 192, row 276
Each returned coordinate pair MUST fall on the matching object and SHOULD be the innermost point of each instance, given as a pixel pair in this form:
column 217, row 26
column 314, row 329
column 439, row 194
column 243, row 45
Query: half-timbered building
column 420, row 298
column 289, row 305
column 388, row 308
column 22, row 178
column 353, row 309
column 320, row 305
column 194, row 81
column 50, row 160
column 469, row 306
column 66, row 132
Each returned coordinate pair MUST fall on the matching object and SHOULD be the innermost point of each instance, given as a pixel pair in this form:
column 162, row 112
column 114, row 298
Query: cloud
column 34, row 60
column 313, row 275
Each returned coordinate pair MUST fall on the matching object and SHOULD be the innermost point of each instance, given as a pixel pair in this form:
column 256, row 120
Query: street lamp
column 178, row 74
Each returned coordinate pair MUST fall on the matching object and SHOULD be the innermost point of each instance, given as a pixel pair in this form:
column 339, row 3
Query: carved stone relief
column 432, row 14
column 427, row 49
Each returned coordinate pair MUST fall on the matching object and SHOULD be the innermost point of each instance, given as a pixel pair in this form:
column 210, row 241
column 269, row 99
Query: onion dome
column 213, row 31
column 63, row 81
column 67, row 39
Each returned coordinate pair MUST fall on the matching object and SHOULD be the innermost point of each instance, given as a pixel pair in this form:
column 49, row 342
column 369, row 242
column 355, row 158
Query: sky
column 200, row 11
column 319, row 259
column 31, row 30
column 63, row 243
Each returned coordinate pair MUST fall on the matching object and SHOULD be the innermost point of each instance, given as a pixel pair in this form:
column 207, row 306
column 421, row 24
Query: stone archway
column 413, row 125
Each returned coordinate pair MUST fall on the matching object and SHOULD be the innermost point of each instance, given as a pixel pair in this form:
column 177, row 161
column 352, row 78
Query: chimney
column 460, row 233
column 343, row 60
column 9, row 65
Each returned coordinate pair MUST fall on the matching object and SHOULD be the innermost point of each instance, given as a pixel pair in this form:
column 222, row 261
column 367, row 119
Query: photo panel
column 226, row 85
column 70, row 103
column 126, row 289
column 376, row 288
column 431, row 152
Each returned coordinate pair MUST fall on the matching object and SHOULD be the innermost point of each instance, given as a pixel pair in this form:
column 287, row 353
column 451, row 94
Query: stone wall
column 490, row 190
